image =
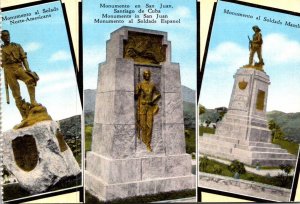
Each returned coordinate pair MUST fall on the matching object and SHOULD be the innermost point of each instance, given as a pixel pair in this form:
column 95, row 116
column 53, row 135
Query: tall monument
column 138, row 144
column 243, row 133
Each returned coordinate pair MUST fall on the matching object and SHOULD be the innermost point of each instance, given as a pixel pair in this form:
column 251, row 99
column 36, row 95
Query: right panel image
column 249, row 103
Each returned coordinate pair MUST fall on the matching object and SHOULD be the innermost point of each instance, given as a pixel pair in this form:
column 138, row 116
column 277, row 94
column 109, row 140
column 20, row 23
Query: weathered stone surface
column 174, row 134
column 104, row 191
column 173, row 108
column 119, row 140
column 52, row 164
column 244, row 187
column 172, row 78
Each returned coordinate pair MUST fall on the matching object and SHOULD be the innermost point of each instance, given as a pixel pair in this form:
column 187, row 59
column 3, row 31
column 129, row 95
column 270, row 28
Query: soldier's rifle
column 249, row 42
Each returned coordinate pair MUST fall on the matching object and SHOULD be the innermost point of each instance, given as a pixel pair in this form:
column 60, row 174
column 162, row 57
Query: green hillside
column 288, row 122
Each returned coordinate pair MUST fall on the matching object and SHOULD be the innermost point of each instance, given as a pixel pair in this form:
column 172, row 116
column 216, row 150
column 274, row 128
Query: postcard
column 248, row 107
column 41, row 109
column 139, row 65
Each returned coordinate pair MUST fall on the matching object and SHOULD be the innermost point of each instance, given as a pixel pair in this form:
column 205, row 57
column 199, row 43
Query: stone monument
column 34, row 150
column 138, row 144
column 243, row 133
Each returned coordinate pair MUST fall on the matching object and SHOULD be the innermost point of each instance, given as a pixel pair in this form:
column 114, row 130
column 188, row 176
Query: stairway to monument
column 251, row 153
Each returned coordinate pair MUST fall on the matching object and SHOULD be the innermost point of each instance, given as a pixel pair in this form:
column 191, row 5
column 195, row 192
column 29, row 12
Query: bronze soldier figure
column 147, row 96
column 15, row 64
column 256, row 47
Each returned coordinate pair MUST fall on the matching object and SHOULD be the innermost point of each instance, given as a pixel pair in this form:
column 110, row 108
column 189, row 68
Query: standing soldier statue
column 14, row 62
column 147, row 96
column 255, row 46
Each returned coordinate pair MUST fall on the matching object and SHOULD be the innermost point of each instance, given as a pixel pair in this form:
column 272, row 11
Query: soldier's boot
column 250, row 61
column 19, row 104
column 31, row 91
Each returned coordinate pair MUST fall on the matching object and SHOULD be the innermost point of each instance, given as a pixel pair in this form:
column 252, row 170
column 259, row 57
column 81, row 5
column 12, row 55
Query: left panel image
column 41, row 109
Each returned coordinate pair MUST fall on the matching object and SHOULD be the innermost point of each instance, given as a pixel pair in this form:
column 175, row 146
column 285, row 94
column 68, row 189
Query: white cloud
column 92, row 56
column 278, row 49
column 58, row 87
column 60, row 55
column 180, row 12
column 32, row 46
column 50, row 77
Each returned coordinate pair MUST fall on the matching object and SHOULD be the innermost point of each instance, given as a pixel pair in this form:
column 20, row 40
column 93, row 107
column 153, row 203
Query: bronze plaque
column 144, row 48
column 62, row 144
column 25, row 152
column 260, row 101
column 243, row 84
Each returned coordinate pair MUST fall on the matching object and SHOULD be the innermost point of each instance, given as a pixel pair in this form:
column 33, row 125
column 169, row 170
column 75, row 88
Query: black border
column 78, row 74
column 80, row 52
column 199, row 83
column 80, row 81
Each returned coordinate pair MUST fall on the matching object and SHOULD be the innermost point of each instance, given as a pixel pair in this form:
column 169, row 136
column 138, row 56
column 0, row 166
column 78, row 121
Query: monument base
column 262, row 153
column 38, row 156
column 243, row 133
column 109, row 179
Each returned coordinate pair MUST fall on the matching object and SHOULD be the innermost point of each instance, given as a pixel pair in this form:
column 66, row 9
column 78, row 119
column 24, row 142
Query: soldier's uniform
column 256, row 45
column 13, row 56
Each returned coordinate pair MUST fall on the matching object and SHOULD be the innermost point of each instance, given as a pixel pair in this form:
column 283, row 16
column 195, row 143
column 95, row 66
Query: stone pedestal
column 243, row 133
column 119, row 164
column 38, row 156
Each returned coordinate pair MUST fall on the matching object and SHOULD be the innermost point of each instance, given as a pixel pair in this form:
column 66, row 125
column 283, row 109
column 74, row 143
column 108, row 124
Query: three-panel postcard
column 149, row 101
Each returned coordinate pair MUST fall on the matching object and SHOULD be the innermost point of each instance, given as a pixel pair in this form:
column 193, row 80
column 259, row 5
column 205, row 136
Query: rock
column 71, row 127
column 38, row 156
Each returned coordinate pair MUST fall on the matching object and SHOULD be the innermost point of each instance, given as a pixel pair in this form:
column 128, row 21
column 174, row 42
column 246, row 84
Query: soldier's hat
column 33, row 75
column 256, row 27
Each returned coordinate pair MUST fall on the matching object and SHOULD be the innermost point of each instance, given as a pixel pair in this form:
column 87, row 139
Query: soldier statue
column 255, row 46
column 15, row 65
column 147, row 96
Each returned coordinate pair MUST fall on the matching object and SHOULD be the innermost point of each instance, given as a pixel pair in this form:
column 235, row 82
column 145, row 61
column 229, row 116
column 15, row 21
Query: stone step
column 263, row 144
column 272, row 155
column 218, row 138
column 212, row 152
column 274, row 162
column 216, row 147
column 267, row 149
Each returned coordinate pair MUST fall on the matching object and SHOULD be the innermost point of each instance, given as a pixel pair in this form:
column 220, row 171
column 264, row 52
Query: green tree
column 276, row 131
column 202, row 109
column 237, row 167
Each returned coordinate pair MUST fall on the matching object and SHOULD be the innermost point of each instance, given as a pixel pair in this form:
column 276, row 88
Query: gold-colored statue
column 255, row 46
column 147, row 96
column 16, row 67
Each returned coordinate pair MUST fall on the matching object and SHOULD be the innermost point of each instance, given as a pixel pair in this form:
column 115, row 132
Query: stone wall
column 243, row 187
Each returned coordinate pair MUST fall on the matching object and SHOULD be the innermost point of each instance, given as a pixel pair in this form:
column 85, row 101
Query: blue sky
column 182, row 37
column 228, row 51
column 48, row 53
